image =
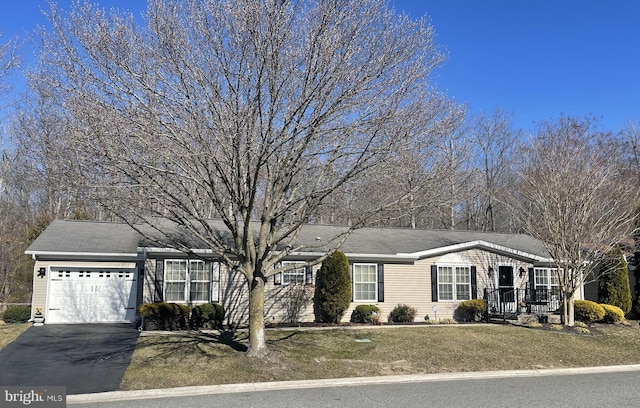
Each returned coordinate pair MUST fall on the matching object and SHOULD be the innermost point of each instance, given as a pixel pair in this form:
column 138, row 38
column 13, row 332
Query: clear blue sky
column 534, row 58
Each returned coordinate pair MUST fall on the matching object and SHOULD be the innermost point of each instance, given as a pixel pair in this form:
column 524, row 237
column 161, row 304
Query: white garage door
column 91, row 295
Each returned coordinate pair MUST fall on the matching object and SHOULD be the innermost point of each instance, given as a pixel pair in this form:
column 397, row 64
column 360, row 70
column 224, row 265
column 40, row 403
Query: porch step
column 524, row 318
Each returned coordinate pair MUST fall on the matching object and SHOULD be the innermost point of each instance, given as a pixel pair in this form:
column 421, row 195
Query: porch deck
column 510, row 304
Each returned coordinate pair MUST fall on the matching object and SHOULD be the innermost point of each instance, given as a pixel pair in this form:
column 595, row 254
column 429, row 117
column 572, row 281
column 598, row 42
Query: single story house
column 94, row 272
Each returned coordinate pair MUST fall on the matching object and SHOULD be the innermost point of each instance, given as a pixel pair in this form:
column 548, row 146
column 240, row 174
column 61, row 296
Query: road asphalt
column 339, row 382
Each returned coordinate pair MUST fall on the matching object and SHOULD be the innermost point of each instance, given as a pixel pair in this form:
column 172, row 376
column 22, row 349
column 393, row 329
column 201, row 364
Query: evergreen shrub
column 17, row 314
column 208, row 315
column 470, row 310
column 164, row 316
column 403, row 314
column 612, row 314
column 588, row 311
column 333, row 288
column 366, row 314
column 613, row 283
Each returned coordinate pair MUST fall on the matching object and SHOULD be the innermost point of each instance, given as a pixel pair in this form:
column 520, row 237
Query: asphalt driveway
column 86, row 358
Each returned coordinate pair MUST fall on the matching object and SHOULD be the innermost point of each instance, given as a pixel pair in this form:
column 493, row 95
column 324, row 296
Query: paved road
column 86, row 358
column 510, row 390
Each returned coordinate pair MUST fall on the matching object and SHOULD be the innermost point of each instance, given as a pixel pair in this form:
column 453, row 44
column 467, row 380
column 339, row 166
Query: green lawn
column 205, row 359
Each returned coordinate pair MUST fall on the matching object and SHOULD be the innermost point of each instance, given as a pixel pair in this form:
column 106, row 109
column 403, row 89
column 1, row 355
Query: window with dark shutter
column 365, row 282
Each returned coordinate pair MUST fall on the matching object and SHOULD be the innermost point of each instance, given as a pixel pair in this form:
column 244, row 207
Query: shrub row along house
column 88, row 272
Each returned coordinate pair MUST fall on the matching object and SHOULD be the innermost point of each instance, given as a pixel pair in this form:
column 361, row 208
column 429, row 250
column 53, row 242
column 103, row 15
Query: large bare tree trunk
column 569, row 310
column 257, row 342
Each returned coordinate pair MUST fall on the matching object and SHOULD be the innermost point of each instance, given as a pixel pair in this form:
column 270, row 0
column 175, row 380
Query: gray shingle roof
column 70, row 236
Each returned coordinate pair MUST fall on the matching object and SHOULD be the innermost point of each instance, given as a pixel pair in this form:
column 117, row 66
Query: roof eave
column 479, row 244
column 56, row 255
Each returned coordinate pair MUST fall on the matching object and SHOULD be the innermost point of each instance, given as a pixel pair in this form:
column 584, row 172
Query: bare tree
column 408, row 189
column 252, row 111
column 9, row 61
column 454, row 187
column 494, row 141
column 631, row 138
column 45, row 163
column 12, row 215
column 573, row 196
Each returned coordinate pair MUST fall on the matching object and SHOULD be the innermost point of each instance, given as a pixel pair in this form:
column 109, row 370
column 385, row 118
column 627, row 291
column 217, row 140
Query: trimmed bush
column 17, row 314
column 333, row 288
column 612, row 314
column 164, row 316
column 366, row 314
column 588, row 311
column 209, row 316
column 471, row 310
column 613, row 283
column 403, row 314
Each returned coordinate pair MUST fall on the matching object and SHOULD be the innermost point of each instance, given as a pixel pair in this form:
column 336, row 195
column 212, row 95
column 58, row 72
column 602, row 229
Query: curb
column 338, row 382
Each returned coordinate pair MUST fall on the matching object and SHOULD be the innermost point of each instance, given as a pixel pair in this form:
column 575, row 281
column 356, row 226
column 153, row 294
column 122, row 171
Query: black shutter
column 474, row 283
column 277, row 278
column 532, row 286
column 353, row 280
column 380, row 282
column 434, row 283
column 308, row 275
column 159, row 281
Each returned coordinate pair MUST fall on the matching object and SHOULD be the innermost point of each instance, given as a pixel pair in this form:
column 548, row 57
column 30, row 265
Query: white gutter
column 173, row 250
column 35, row 254
column 390, row 257
column 473, row 244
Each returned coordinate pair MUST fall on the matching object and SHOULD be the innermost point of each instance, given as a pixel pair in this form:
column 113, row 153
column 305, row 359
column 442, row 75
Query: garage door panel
column 92, row 295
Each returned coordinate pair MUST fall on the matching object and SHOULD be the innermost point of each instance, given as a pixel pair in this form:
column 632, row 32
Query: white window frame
column 357, row 283
column 295, row 276
column 193, row 279
column 549, row 280
column 455, row 284
column 170, row 279
column 190, row 278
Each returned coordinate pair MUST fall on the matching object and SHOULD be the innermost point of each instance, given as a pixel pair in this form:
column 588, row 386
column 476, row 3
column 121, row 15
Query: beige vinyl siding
column 410, row 284
column 39, row 295
column 149, row 280
column 405, row 283
column 277, row 298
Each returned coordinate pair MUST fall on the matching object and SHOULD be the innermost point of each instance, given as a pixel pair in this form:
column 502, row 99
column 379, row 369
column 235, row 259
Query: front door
column 505, row 284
